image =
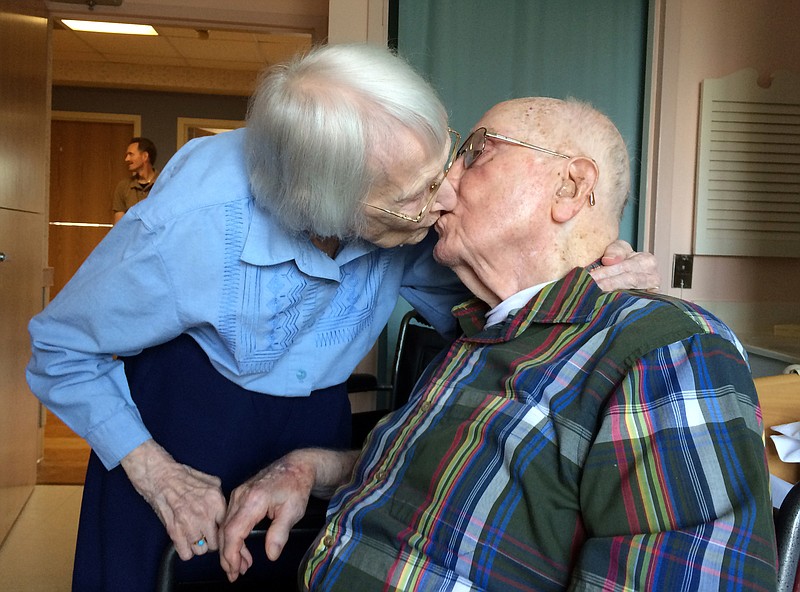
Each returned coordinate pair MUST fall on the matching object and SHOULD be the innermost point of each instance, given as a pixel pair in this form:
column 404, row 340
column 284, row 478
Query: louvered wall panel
column 748, row 175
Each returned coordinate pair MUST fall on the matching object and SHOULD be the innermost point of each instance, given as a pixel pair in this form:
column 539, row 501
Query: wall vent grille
column 748, row 177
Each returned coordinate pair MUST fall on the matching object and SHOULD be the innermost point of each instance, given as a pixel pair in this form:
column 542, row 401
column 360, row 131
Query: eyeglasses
column 475, row 143
column 429, row 193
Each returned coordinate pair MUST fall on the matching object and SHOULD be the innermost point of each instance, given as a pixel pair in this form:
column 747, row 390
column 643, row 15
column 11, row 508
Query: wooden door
column 86, row 163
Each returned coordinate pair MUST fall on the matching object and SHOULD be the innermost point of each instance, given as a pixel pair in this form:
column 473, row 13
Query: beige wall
column 356, row 21
column 24, row 120
column 711, row 39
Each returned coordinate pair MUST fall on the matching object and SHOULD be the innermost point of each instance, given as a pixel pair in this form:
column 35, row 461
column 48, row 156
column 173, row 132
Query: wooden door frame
column 185, row 125
column 135, row 120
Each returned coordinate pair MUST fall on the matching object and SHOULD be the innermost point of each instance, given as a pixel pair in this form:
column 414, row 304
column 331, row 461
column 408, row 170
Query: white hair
column 316, row 125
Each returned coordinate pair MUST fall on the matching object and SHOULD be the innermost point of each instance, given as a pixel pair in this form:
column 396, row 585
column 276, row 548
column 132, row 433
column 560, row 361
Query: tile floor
column 37, row 554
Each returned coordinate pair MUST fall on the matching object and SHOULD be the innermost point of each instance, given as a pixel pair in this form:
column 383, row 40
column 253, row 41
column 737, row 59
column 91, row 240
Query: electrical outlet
column 682, row 271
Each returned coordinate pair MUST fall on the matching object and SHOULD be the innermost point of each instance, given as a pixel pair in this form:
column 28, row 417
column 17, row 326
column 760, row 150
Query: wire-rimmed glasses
column 475, row 143
column 430, row 189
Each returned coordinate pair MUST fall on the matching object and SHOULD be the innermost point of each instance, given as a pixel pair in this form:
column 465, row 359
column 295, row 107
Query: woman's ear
column 577, row 189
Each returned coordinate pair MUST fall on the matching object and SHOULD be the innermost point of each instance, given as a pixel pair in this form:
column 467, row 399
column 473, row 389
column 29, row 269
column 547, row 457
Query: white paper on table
column 788, row 442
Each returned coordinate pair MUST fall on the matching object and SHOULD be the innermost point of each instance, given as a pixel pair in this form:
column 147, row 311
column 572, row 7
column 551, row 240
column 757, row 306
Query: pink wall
column 711, row 39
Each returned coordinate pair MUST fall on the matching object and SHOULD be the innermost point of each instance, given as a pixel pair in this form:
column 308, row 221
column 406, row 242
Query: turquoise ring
column 201, row 541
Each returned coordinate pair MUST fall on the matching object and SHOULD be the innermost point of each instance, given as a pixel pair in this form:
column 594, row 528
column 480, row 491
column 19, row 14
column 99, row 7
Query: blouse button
column 301, row 375
column 425, row 406
column 328, row 541
column 380, row 475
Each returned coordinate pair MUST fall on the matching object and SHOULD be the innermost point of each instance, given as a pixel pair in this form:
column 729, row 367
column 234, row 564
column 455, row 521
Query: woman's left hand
column 188, row 502
column 625, row 269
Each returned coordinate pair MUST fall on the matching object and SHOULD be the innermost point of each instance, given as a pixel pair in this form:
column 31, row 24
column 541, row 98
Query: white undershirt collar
column 512, row 304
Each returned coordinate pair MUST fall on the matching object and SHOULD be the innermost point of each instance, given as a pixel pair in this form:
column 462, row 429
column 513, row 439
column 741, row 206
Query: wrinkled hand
column 280, row 492
column 625, row 269
column 188, row 502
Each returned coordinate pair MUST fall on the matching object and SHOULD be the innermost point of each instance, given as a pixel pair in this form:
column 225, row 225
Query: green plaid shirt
column 593, row 441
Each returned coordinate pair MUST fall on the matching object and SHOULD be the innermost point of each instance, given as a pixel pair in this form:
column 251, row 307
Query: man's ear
column 577, row 189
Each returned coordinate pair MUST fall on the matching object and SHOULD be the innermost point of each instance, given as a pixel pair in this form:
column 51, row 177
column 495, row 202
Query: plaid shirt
column 593, row 441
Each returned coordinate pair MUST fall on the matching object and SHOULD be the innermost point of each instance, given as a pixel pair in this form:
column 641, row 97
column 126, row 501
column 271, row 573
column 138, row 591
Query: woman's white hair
column 316, row 126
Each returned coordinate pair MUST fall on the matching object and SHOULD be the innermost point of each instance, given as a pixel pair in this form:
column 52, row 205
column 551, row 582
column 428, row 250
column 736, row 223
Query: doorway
column 86, row 163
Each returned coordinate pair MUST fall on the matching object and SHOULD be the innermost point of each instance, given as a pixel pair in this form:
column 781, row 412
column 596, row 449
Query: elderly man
column 570, row 438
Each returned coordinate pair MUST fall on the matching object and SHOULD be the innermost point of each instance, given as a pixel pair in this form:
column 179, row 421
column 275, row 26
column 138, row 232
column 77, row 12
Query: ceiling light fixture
column 103, row 27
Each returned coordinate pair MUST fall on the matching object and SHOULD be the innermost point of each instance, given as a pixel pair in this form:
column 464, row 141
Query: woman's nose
column 455, row 172
column 445, row 197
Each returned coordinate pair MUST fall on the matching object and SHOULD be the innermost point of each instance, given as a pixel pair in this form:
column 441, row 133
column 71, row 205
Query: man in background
column 141, row 160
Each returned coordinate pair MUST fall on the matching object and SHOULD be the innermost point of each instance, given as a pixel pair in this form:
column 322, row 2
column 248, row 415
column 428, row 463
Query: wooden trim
column 187, row 123
column 135, row 120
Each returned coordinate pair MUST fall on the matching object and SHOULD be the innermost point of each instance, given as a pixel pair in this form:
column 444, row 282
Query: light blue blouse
column 274, row 314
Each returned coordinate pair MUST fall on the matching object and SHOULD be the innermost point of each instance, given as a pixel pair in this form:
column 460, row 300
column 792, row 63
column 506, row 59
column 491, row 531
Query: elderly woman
column 212, row 330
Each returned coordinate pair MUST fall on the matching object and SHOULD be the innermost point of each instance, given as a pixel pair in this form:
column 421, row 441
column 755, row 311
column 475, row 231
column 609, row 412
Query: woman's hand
column 625, row 269
column 189, row 503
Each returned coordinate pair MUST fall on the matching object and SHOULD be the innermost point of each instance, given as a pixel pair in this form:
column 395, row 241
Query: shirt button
column 425, row 406
column 380, row 475
column 328, row 541
column 301, row 374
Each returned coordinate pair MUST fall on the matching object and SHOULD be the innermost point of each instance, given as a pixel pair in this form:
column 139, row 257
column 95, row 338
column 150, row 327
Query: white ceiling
column 178, row 46
column 223, row 43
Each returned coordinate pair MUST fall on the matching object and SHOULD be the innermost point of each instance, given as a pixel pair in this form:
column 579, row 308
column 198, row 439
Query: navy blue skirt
column 209, row 423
